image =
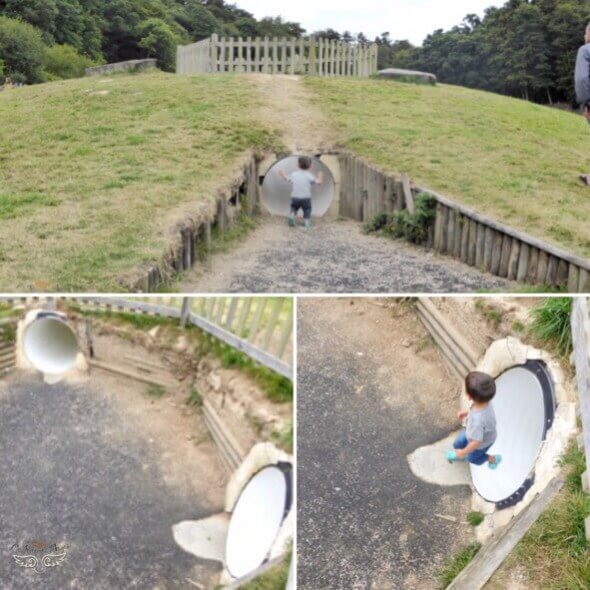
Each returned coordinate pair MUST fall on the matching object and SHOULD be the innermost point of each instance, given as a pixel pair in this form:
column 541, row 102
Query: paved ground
column 370, row 391
column 334, row 257
column 76, row 471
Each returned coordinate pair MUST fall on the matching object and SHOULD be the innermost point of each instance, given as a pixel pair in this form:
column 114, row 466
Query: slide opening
column 257, row 518
column 525, row 409
column 276, row 192
column 50, row 345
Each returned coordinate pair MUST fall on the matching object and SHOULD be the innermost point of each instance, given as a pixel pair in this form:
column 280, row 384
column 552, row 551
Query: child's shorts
column 478, row 457
column 304, row 204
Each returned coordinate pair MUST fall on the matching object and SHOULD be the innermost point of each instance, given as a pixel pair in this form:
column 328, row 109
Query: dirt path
column 288, row 105
column 333, row 257
column 371, row 390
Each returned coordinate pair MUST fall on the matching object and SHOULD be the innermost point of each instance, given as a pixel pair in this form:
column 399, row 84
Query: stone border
column 134, row 65
column 461, row 232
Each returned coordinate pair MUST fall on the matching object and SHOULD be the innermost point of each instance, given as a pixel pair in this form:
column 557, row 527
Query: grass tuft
column 554, row 552
column 552, row 324
column 455, row 565
column 475, row 518
column 154, row 390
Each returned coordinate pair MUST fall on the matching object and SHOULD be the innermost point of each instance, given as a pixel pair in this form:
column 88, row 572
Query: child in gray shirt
column 302, row 181
column 474, row 442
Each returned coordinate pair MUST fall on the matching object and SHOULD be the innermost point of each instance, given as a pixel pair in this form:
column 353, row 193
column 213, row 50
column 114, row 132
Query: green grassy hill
column 95, row 172
column 516, row 161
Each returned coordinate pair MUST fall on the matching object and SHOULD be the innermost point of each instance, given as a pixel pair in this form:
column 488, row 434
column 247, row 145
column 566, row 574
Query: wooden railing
column 312, row 56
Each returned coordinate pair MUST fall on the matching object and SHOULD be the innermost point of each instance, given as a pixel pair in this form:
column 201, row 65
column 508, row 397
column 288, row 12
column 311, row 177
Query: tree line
column 526, row 48
column 50, row 39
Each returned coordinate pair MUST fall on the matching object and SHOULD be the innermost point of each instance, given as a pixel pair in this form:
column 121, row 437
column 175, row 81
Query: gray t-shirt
column 481, row 426
column 302, row 181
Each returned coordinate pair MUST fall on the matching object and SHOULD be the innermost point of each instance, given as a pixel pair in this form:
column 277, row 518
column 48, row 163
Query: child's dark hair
column 304, row 163
column 480, row 387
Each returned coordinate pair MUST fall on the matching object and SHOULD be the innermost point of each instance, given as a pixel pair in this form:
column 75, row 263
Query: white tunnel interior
column 524, row 405
column 50, row 345
column 257, row 518
column 276, row 192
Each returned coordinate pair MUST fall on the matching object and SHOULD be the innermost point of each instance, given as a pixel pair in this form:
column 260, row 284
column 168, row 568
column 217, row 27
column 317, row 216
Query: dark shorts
column 304, row 204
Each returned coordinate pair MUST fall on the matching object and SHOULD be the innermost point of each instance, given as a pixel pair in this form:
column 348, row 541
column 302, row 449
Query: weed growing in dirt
column 475, row 518
column 154, row 390
column 555, row 553
column 491, row 313
column 223, row 241
column 401, row 224
column 456, row 564
column 275, row 579
column 552, row 324
column 518, row 327
column 195, row 398
column 284, row 439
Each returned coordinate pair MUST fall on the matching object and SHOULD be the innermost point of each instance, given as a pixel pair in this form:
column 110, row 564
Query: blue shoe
column 307, row 224
column 495, row 465
column 292, row 221
column 452, row 457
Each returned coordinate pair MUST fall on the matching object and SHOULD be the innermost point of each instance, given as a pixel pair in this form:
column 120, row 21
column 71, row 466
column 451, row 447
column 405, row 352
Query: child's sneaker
column 307, row 224
column 452, row 457
column 292, row 221
column 496, row 463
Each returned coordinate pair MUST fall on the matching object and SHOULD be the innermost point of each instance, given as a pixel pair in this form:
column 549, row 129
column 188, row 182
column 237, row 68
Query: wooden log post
column 480, row 246
column 408, row 196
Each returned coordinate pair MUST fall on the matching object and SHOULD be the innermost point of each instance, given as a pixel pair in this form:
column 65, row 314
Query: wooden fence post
column 214, row 59
column 186, row 310
column 313, row 70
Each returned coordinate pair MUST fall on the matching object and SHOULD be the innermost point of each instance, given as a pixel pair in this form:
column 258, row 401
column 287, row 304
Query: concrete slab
column 429, row 464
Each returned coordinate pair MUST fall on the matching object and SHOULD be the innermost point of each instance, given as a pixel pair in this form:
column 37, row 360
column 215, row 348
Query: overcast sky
column 404, row 19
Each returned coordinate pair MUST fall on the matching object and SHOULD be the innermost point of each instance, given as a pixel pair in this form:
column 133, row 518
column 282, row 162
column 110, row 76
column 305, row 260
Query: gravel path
column 333, row 257
column 77, row 472
column 366, row 399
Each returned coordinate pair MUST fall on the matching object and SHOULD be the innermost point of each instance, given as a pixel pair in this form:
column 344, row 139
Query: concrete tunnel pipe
column 50, row 344
column 524, row 404
column 276, row 193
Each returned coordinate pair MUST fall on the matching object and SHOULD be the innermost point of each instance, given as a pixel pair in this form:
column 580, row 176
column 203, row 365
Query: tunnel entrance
column 276, row 192
column 525, row 408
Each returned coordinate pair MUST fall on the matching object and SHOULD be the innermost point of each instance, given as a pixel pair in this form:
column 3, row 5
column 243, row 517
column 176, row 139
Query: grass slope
column 516, row 161
column 94, row 172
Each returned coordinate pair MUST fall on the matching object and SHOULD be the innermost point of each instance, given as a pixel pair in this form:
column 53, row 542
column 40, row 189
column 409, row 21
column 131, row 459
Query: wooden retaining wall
column 461, row 232
column 193, row 244
column 312, row 56
column 7, row 346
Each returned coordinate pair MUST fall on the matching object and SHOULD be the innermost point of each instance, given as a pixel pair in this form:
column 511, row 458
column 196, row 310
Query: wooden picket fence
column 260, row 327
column 312, row 56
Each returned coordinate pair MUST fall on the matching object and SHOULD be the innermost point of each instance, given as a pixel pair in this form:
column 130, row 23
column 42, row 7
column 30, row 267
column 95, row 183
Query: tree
column 22, row 50
column 158, row 40
column 63, row 62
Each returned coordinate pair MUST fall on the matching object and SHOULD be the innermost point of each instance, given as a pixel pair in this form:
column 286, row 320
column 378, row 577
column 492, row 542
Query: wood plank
column 573, row 278
column 523, row 262
column 408, row 196
column 483, row 566
column 472, row 243
column 488, row 248
column 496, row 253
column 505, row 258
